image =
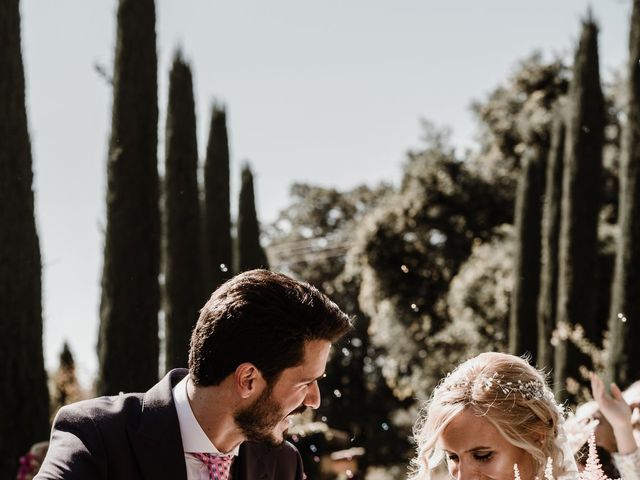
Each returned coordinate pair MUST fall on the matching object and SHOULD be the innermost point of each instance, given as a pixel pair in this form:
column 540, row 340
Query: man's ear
column 248, row 379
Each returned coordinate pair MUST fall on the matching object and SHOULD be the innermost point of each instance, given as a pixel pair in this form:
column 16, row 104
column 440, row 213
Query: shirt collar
column 194, row 440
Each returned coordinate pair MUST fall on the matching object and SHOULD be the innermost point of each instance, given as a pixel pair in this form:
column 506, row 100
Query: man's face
column 269, row 417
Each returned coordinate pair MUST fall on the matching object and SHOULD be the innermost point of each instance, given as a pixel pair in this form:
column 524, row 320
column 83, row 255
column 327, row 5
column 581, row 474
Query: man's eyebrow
column 311, row 380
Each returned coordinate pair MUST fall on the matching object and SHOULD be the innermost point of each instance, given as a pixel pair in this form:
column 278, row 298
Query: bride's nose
column 464, row 472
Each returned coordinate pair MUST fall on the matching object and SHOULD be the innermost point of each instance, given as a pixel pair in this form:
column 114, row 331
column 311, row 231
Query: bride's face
column 476, row 450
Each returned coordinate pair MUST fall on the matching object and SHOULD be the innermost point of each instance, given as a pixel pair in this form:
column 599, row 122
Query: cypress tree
column 182, row 221
column 526, row 285
column 250, row 253
column 217, row 211
column 24, row 416
column 128, row 338
column 65, row 383
column 549, row 248
column 624, row 318
column 580, row 202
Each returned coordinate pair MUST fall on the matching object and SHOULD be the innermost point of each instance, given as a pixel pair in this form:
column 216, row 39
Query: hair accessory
column 532, row 389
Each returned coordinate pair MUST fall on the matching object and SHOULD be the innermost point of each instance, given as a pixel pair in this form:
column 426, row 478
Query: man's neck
column 213, row 408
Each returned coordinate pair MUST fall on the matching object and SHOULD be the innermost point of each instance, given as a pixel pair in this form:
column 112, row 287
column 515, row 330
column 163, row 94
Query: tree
column 310, row 240
column 624, row 317
column 25, row 399
column 526, row 271
column 581, row 202
column 65, row 384
column 183, row 282
column 549, row 242
column 217, row 211
column 249, row 252
column 128, row 342
column 409, row 249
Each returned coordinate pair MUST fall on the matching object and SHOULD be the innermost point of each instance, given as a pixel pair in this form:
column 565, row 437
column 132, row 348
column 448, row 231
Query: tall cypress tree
column 624, row 318
column 128, row 339
column 24, row 416
column 549, row 244
column 526, row 284
column 182, row 220
column 580, row 202
column 217, row 212
column 250, row 253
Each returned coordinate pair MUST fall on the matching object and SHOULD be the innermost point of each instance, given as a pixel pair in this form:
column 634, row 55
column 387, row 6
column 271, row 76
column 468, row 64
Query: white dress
column 628, row 465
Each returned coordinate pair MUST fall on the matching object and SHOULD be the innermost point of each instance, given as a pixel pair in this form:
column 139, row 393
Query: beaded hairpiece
column 532, row 389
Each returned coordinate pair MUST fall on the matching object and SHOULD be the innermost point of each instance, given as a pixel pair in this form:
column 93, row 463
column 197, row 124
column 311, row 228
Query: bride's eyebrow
column 477, row 449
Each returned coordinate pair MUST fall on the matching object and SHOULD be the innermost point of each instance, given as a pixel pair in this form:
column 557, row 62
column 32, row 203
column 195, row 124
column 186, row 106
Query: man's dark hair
column 264, row 318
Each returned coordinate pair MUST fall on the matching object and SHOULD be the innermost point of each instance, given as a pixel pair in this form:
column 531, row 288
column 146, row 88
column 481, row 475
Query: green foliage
column 408, row 251
column 25, row 401
column 181, row 241
column 581, row 202
column 128, row 345
column 218, row 247
column 249, row 251
column 624, row 317
column 310, row 240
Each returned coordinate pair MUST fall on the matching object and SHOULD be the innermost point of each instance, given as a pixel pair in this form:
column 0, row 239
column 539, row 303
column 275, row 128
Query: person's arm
column 617, row 412
column 75, row 449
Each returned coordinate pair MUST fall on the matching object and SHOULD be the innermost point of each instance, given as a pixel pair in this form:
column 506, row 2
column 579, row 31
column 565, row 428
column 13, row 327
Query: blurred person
column 616, row 415
column 492, row 412
column 257, row 352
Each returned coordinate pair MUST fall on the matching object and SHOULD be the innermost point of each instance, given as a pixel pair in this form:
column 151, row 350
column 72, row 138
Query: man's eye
column 483, row 457
column 452, row 458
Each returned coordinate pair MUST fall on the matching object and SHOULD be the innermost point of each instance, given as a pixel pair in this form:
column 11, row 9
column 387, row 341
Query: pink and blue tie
column 219, row 465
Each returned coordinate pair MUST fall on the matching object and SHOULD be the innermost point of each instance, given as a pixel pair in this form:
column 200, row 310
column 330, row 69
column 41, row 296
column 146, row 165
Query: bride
column 492, row 412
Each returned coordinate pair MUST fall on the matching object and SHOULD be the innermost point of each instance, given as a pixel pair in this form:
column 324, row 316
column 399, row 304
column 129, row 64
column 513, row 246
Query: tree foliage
column 25, row 399
column 128, row 345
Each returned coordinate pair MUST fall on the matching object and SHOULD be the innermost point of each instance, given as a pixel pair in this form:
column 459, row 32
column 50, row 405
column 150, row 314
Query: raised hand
column 617, row 412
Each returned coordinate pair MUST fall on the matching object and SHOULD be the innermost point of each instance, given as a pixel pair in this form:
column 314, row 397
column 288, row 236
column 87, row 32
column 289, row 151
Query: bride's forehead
column 466, row 427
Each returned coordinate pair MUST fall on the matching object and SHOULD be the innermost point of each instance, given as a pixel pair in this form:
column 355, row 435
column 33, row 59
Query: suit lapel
column 156, row 440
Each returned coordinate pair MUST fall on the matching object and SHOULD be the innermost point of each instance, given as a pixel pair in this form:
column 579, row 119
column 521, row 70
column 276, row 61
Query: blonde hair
column 506, row 391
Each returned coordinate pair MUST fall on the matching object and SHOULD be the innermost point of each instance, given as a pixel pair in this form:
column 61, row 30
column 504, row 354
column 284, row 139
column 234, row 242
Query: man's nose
column 312, row 400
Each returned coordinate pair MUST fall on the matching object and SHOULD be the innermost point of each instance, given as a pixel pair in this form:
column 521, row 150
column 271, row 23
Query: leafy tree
column 128, row 344
column 217, row 209
column 25, row 399
column 624, row 318
column 249, row 251
column 408, row 251
column 581, row 202
column 183, row 281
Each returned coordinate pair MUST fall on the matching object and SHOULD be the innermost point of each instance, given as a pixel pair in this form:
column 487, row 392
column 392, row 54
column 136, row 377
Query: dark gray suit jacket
column 137, row 436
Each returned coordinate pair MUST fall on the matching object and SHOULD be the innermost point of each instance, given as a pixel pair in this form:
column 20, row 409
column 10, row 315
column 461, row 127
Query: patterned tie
column 219, row 465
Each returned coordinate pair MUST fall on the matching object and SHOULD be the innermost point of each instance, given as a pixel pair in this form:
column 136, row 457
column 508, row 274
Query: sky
column 328, row 92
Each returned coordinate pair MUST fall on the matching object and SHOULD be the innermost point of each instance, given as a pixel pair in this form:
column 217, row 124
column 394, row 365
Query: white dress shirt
column 194, row 440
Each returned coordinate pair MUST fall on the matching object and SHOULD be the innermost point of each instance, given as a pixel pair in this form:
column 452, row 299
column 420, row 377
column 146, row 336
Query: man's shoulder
column 281, row 462
column 101, row 409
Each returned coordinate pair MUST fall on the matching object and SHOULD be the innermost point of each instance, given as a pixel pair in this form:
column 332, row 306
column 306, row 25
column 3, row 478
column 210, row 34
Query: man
column 257, row 352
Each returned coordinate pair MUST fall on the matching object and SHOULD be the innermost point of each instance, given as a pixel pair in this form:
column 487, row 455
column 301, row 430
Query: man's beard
column 259, row 420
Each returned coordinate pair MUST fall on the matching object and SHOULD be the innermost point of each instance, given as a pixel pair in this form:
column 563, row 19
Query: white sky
column 329, row 92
